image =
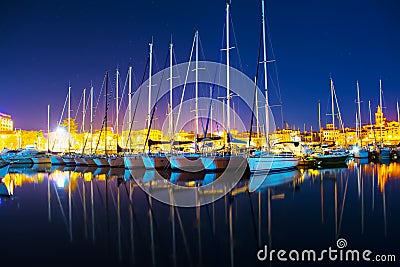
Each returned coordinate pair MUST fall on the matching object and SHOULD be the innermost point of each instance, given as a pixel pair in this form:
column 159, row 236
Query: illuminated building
column 382, row 131
column 387, row 132
column 6, row 123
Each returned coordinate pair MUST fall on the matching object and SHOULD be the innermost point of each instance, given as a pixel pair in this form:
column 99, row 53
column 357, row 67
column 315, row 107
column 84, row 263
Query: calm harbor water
column 101, row 217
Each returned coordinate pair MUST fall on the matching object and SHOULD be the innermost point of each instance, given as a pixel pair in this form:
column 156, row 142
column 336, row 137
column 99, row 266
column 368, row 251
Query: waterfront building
column 383, row 131
column 286, row 135
column 6, row 123
column 331, row 134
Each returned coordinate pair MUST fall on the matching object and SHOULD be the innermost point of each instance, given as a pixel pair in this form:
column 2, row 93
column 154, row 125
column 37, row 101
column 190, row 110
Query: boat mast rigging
column 265, row 76
column 359, row 134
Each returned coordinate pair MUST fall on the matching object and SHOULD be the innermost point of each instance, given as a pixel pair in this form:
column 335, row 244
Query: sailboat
column 191, row 162
column 131, row 161
column 135, row 161
column 80, row 159
column 88, row 159
column 221, row 162
column 102, row 161
column 359, row 152
column 159, row 160
column 328, row 156
column 383, row 152
column 265, row 160
column 115, row 160
column 68, row 159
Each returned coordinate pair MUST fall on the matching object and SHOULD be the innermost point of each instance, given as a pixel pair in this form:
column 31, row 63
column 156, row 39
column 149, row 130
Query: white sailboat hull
column 133, row 162
column 155, row 162
column 57, row 160
column 69, row 161
column 272, row 163
column 4, row 170
column 186, row 163
column 116, row 162
column 41, row 160
column 79, row 161
column 101, row 162
column 89, row 161
column 221, row 163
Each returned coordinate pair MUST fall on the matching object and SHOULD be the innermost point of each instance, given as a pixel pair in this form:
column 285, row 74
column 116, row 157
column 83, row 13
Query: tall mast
column 370, row 115
column 48, row 128
column 357, row 129
column 380, row 103
column 319, row 116
column 228, row 117
column 69, row 117
column 256, row 99
column 265, row 77
column 171, row 130
column 91, row 116
column 150, row 70
column 84, row 110
column 116, row 103
column 359, row 114
column 211, row 113
column 197, row 88
column 130, row 104
column 398, row 116
column 106, row 117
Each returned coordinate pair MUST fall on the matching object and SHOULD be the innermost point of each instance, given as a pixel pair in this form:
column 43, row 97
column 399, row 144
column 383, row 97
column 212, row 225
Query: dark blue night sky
column 46, row 44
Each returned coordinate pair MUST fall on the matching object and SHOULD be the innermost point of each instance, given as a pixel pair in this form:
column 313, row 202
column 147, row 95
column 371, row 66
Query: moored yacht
column 56, row 160
column 384, row 152
column 186, row 162
column 89, row 161
column 271, row 162
column 330, row 157
column 41, row 159
column 221, row 162
column 101, row 161
column 116, row 161
column 133, row 161
column 4, row 170
column 155, row 161
column 360, row 153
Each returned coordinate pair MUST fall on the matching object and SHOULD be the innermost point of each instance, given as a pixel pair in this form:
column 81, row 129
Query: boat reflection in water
column 262, row 181
column 103, row 216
